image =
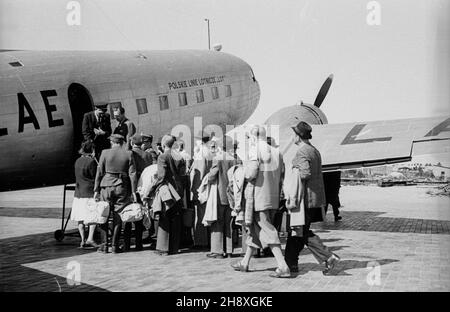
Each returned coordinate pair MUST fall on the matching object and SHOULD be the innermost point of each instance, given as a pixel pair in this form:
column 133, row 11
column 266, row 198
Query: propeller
column 323, row 91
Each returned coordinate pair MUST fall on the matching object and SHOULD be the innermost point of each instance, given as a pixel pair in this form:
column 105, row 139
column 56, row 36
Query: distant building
column 440, row 172
column 378, row 171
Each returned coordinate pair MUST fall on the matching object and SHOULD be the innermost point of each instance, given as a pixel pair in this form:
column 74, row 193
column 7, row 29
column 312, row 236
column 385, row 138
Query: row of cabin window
column 182, row 97
column 141, row 104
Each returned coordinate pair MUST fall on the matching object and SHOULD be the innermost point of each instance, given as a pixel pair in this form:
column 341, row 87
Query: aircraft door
column 80, row 101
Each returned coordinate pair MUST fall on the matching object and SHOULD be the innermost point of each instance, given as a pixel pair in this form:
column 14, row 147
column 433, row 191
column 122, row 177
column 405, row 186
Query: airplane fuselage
column 43, row 96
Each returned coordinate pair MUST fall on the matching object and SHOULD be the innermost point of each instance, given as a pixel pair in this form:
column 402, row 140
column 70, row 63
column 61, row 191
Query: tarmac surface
column 390, row 239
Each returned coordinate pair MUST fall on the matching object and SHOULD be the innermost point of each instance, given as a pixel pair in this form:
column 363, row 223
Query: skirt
column 79, row 209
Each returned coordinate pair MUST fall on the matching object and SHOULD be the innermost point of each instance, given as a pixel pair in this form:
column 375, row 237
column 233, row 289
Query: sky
column 397, row 69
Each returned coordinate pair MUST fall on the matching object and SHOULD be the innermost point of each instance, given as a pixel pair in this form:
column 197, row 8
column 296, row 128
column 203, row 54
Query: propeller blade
column 323, row 91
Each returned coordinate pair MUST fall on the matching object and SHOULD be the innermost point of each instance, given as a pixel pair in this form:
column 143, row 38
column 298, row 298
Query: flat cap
column 101, row 105
column 137, row 139
column 146, row 137
column 116, row 138
column 303, row 129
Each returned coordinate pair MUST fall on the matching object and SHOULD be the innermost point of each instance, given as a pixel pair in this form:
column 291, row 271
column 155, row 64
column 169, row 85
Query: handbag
column 96, row 211
column 132, row 213
column 188, row 217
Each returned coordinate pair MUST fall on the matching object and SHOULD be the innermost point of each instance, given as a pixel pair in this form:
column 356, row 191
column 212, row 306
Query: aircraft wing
column 365, row 144
column 351, row 145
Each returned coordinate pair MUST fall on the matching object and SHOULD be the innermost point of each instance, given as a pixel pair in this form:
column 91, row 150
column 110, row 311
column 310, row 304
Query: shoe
column 161, row 253
column 90, row 244
column 139, row 248
column 152, row 246
column 228, row 255
column 330, row 263
column 116, row 250
column 238, row 266
column 215, row 255
column 338, row 218
column 293, row 269
column 280, row 273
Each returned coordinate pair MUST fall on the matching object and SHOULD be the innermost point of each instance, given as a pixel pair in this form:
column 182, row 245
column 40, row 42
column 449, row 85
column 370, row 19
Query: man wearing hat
column 202, row 162
column 125, row 128
column 141, row 160
column 309, row 164
column 116, row 181
column 147, row 140
column 96, row 127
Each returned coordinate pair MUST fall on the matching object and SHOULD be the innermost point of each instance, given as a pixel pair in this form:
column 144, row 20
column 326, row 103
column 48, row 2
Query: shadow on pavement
column 17, row 251
column 342, row 266
column 371, row 221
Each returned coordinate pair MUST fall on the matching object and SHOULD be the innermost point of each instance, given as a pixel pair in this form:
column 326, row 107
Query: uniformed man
column 141, row 160
column 116, row 182
column 96, row 127
column 147, row 140
column 125, row 128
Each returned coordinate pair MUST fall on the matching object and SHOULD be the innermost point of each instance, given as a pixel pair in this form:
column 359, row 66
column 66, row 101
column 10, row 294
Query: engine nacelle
column 291, row 115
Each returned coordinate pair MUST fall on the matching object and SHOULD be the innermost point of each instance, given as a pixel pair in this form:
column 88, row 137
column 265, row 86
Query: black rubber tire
column 59, row 235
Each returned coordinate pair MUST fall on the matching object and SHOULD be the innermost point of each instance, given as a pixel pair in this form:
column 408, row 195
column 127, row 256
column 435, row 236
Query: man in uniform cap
column 309, row 164
column 147, row 140
column 126, row 128
column 116, row 181
column 159, row 149
column 96, row 127
column 141, row 161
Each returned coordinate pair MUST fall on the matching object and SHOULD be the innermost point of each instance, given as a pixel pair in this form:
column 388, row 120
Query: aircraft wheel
column 59, row 235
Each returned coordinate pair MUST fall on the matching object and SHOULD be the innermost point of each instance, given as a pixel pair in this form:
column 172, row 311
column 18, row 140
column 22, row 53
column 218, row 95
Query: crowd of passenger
column 204, row 202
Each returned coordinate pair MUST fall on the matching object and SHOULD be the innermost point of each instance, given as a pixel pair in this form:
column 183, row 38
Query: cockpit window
column 253, row 74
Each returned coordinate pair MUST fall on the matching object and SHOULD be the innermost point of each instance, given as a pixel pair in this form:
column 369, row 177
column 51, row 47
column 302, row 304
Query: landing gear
column 59, row 234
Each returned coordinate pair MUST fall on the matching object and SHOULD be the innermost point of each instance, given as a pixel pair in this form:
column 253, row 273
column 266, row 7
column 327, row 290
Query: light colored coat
column 207, row 192
column 294, row 193
column 266, row 172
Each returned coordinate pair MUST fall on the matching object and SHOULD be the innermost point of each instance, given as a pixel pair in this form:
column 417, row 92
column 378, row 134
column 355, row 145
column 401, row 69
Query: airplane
column 44, row 95
column 356, row 144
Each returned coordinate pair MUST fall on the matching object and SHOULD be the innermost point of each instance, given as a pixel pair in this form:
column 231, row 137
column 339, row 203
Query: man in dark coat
column 332, row 183
column 147, row 140
column 221, row 230
column 116, row 181
column 168, row 238
column 96, row 127
column 309, row 164
column 125, row 127
column 141, row 161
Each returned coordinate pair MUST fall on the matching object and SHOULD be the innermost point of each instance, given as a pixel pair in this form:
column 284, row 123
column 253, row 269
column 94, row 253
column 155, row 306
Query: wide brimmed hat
column 303, row 129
